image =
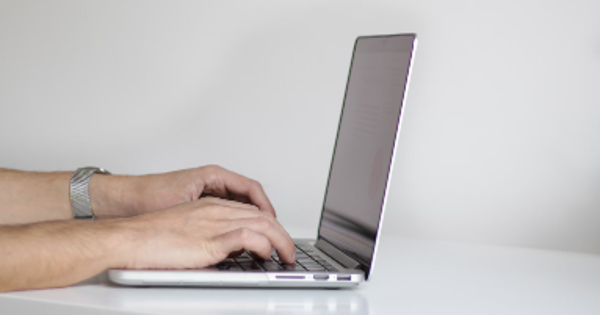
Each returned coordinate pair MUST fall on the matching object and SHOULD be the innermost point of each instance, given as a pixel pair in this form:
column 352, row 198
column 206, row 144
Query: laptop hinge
column 337, row 254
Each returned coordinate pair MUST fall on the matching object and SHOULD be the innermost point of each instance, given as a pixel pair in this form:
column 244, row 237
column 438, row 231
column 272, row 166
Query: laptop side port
column 321, row 277
column 344, row 277
column 290, row 277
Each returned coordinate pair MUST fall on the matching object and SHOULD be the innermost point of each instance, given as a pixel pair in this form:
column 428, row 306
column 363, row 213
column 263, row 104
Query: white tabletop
column 411, row 277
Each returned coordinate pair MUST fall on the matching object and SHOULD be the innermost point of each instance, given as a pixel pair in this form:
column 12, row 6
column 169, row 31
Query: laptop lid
column 364, row 151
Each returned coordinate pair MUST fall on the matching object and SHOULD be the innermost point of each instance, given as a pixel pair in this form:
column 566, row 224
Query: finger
column 270, row 228
column 221, row 212
column 241, row 198
column 242, row 239
column 229, row 182
column 229, row 203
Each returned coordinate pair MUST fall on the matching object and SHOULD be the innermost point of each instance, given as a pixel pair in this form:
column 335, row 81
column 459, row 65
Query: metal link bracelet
column 80, row 191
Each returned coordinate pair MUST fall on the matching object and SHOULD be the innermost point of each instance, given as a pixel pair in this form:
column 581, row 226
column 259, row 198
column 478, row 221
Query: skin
column 151, row 221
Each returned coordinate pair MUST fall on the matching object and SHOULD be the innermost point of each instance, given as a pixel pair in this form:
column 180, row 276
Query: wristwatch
column 80, row 191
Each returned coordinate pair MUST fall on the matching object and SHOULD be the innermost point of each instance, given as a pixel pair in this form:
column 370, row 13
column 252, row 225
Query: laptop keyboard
column 306, row 260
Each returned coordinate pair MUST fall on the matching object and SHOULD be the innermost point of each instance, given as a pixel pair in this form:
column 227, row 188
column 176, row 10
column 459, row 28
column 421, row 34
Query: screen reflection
column 237, row 301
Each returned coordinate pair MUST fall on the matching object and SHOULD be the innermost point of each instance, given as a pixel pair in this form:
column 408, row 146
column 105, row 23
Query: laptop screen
column 365, row 143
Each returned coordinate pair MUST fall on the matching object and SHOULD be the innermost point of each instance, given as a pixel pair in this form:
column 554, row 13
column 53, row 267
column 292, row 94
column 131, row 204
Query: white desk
column 411, row 277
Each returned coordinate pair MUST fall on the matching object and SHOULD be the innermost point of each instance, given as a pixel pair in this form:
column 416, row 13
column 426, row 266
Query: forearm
column 27, row 197
column 57, row 254
column 33, row 197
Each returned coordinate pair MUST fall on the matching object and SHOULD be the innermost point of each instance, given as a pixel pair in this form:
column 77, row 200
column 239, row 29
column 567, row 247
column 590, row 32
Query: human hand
column 123, row 196
column 201, row 233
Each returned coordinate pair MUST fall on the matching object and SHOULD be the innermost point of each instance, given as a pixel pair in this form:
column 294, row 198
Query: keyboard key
column 293, row 268
column 245, row 254
column 309, row 263
column 271, row 266
column 226, row 265
column 315, row 268
column 243, row 258
column 235, row 268
column 250, row 266
column 304, row 247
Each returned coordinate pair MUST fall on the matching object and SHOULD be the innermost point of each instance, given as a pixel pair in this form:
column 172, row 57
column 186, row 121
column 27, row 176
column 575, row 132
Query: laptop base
column 217, row 276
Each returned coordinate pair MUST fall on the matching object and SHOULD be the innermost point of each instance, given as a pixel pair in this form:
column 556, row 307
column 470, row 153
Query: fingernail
column 294, row 256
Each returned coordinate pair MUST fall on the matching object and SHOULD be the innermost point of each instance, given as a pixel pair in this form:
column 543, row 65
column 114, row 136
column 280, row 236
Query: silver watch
column 80, row 191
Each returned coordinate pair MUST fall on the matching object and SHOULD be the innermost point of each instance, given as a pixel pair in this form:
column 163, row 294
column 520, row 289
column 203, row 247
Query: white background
column 501, row 136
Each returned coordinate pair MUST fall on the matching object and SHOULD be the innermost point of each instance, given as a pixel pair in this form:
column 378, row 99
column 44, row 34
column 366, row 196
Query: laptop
column 344, row 253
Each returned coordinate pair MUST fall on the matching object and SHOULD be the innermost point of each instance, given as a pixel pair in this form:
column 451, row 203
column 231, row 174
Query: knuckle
column 264, row 223
column 213, row 167
column 256, row 185
column 244, row 234
column 211, row 210
column 267, row 214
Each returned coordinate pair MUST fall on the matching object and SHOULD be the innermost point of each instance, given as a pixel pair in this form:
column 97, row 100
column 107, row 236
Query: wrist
column 111, row 196
column 123, row 237
column 128, row 236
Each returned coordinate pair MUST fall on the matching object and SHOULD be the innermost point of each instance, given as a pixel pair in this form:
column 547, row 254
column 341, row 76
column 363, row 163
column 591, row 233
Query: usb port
column 344, row 277
column 321, row 277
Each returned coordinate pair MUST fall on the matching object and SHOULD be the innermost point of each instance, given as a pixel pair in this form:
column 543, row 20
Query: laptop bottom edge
column 201, row 278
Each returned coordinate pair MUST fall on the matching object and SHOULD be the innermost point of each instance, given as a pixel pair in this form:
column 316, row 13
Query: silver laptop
column 344, row 253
